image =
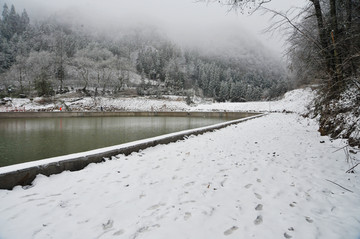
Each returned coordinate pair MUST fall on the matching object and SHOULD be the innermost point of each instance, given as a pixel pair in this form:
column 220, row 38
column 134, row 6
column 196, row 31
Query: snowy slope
column 293, row 101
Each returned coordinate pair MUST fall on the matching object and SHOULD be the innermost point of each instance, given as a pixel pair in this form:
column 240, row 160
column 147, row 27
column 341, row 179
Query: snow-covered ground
column 270, row 177
column 294, row 101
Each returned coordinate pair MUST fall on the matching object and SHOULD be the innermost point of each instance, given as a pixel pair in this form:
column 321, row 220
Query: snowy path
column 264, row 178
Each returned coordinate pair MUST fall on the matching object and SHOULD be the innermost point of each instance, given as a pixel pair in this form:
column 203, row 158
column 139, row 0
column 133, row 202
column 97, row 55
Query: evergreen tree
column 13, row 22
column 214, row 81
column 5, row 26
column 224, row 92
column 24, row 21
column 7, row 54
column 5, row 13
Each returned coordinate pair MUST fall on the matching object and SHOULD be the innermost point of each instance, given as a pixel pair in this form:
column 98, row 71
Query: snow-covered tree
column 40, row 71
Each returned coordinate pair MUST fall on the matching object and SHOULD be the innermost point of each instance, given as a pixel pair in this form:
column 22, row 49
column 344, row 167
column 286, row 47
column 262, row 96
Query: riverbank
column 290, row 102
column 271, row 177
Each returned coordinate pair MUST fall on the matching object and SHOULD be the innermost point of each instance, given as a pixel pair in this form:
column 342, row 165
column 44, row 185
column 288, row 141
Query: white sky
column 183, row 20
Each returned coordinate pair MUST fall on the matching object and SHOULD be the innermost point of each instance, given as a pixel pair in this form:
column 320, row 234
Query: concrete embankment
column 24, row 174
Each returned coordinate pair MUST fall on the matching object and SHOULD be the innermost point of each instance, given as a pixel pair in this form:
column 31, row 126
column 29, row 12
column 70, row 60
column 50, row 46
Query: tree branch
column 339, row 185
column 289, row 21
column 349, row 171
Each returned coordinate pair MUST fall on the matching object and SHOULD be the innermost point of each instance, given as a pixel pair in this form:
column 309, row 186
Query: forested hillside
column 52, row 57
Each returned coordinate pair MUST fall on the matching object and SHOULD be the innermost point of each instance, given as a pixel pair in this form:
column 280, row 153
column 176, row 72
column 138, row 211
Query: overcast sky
column 183, row 20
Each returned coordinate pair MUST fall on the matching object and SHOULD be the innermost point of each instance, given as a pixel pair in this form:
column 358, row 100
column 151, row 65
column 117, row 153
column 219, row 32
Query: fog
column 187, row 22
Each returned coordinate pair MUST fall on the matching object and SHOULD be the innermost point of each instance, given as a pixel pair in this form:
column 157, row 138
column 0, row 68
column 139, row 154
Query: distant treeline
column 51, row 57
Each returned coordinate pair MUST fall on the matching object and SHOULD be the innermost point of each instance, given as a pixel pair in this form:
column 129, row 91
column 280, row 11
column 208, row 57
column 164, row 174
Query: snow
column 294, row 101
column 269, row 177
column 348, row 118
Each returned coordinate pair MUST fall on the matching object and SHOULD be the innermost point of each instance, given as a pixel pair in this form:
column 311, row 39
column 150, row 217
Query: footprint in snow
column 309, row 220
column 248, row 186
column 189, row 184
column 287, row 236
column 187, row 216
column 230, row 230
column 63, row 204
column 156, row 206
column 258, row 220
column 223, row 182
column 108, row 225
column 258, row 196
column 118, row 233
column 259, row 207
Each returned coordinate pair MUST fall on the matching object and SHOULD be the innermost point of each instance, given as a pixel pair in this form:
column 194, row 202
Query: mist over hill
column 60, row 53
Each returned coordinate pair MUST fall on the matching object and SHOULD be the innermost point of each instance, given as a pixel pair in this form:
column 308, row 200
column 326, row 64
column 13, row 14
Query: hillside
column 53, row 56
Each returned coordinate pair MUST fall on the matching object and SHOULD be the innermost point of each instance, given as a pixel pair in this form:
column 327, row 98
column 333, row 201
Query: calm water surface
column 23, row 140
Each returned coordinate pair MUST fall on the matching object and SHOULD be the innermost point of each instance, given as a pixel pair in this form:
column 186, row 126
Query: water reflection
column 23, row 140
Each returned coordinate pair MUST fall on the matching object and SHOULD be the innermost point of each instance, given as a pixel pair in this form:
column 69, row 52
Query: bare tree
column 60, row 57
column 95, row 67
column 243, row 5
column 334, row 38
column 40, row 72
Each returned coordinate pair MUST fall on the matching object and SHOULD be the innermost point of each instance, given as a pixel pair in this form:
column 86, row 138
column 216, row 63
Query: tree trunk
column 334, row 22
column 21, row 81
column 336, row 81
column 330, row 51
column 322, row 34
column 351, row 69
